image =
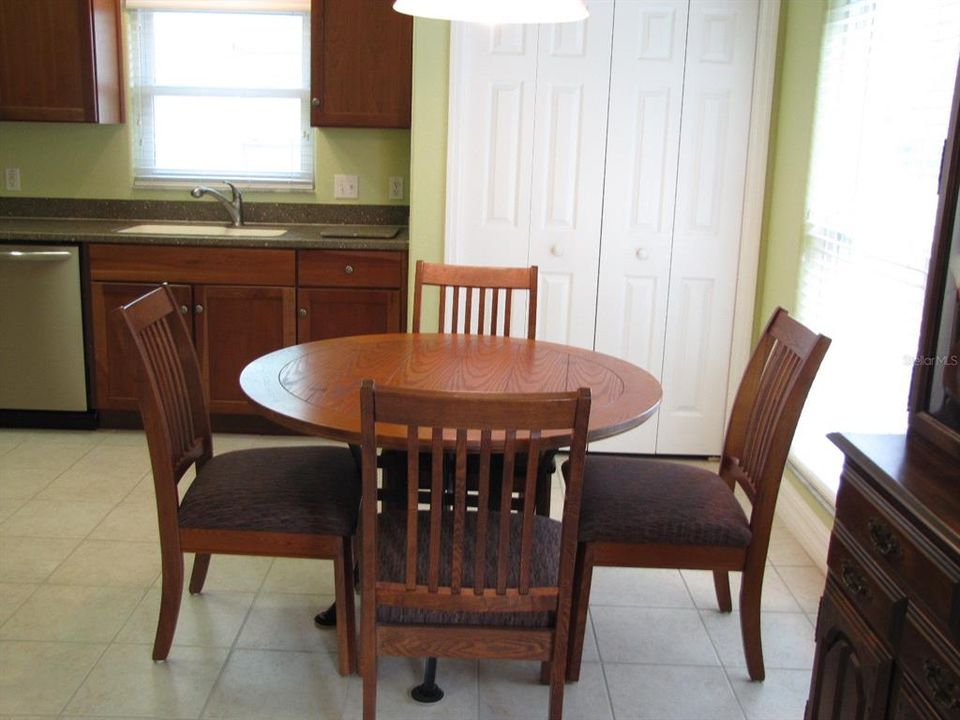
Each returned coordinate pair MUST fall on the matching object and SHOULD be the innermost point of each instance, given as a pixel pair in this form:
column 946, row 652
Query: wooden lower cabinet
column 115, row 371
column 888, row 633
column 239, row 304
column 234, row 325
column 329, row 313
column 851, row 669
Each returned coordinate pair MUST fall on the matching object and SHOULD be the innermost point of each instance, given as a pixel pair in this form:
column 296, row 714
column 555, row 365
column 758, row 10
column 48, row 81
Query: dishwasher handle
column 34, row 255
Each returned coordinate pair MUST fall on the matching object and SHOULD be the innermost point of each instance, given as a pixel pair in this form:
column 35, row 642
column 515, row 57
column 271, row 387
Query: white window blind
column 883, row 100
column 221, row 95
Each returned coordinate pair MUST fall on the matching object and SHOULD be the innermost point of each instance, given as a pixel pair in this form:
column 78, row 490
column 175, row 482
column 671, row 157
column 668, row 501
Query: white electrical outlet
column 346, row 187
column 11, row 179
column 396, row 187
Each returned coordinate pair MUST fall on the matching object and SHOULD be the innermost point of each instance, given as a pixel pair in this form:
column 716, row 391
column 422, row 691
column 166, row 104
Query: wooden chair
column 469, row 582
column 289, row 501
column 649, row 513
column 469, row 288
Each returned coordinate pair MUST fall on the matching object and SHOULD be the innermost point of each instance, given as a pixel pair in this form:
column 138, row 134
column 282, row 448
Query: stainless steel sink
column 207, row 230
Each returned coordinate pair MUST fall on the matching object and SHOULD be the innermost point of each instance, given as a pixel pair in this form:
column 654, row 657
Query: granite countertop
column 298, row 236
column 347, row 227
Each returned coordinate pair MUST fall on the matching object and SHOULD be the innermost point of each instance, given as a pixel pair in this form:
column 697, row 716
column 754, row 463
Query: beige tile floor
column 79, row 579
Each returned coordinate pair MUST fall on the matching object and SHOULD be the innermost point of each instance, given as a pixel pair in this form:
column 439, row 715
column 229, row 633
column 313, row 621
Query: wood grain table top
column 315, row 387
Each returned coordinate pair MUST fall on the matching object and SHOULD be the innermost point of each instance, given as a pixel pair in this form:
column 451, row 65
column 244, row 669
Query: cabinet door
column 328, row 313
column 59, row 61
column 851, row 669
column 115, row 369
column 234, row 325
column 908, row 702
column 361, row 58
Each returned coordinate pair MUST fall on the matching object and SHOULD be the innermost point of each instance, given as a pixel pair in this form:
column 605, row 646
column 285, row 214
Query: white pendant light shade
column 496, row 12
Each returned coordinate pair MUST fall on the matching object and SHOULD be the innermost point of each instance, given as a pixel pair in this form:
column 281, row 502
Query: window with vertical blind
column 221, row 89
column 883, row 102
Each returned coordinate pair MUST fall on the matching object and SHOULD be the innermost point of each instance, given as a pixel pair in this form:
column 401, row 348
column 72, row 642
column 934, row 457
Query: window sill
column 244, row 185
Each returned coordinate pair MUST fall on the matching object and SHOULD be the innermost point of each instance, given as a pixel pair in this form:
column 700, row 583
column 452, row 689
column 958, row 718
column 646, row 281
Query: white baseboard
column 805, row 525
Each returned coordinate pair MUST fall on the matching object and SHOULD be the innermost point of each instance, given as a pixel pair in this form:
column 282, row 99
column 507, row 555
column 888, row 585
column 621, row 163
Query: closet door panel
column 646, row 89
column 492, row 105
column 568, row 165
column 717, row 91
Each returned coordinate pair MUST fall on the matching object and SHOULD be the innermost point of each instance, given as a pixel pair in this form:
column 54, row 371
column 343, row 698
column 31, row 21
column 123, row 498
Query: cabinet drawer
column 352, row 268
column 920, row 570
column 932, row 665
column 199, row 265
column 882, row 606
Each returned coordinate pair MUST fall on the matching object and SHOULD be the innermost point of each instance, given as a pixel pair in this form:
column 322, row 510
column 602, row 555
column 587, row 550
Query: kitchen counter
column 297, row 236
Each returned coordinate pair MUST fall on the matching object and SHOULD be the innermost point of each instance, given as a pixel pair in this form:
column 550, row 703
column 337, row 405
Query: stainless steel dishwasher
column 41, row 329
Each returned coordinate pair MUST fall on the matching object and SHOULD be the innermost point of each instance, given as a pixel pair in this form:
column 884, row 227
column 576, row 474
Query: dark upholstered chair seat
column 391, row 548
column 311, row 490
column 639, row 501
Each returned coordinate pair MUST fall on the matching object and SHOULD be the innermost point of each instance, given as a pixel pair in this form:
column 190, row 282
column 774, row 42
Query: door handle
column 34, row 255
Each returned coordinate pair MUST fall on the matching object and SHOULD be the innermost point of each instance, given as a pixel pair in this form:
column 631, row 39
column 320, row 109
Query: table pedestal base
column 428, row 691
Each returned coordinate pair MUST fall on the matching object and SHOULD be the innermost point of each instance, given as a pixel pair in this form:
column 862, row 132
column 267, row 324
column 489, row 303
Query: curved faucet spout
column 233, row 204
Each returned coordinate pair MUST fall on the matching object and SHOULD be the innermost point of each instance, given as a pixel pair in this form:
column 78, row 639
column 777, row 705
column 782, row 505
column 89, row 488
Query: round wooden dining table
column 314, row 387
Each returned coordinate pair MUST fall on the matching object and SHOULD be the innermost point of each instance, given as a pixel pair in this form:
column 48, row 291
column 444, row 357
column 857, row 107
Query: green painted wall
column 428, row 160
column 94, row 161
column 801, row 31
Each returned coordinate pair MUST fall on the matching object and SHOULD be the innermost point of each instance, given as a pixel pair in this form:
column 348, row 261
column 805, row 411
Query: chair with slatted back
column 648, row 513
column 476, row 300
column 459, row 581
column 285, row 501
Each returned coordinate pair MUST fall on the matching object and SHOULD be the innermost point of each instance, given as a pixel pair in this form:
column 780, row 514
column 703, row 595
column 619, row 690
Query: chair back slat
column 483, row 512
column 413, row 497
column 172, row 400
column 766, row 411
column 459, row 511
column 506, row 504
column 473, row 287
column 455, row 553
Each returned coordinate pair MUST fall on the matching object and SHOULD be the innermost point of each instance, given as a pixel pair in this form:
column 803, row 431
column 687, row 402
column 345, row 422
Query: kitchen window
column 221, row 90
column 883, row 102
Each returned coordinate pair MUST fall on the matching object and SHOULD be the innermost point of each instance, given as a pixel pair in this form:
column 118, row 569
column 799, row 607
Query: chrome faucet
column 233, row 205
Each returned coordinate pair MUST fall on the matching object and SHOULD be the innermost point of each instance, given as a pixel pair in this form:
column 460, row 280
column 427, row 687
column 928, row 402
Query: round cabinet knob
column 642, row 254
column 302, row 312
column 198, row 309
column 556, row 251
column 184, row 309
column 315, row 102
column 348, row 269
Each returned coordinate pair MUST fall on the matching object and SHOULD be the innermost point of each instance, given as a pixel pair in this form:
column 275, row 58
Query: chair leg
column 721, row 583
column 201, row 561
column 750, row 624
column 346, row 620
column 171, row 593
column 368, row 665
column 582, row 577
column 545, row 672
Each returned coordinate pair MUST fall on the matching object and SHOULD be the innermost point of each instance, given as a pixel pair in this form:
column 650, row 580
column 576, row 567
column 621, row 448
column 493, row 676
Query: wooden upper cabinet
column 360, row 65
column 60, row 61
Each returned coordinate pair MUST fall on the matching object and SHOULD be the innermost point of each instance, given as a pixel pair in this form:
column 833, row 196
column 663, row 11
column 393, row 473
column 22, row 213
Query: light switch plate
column 346, row 187
column 11, row 179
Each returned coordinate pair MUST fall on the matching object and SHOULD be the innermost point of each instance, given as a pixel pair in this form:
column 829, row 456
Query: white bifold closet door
column 525, row 174
column 612, row 153
column 679, row 120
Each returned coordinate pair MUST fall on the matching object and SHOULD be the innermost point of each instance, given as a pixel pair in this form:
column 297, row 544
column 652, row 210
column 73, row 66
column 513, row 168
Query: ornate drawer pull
column 943, row 689
column 854, row 580
column 884, row 541
column 348, row 269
